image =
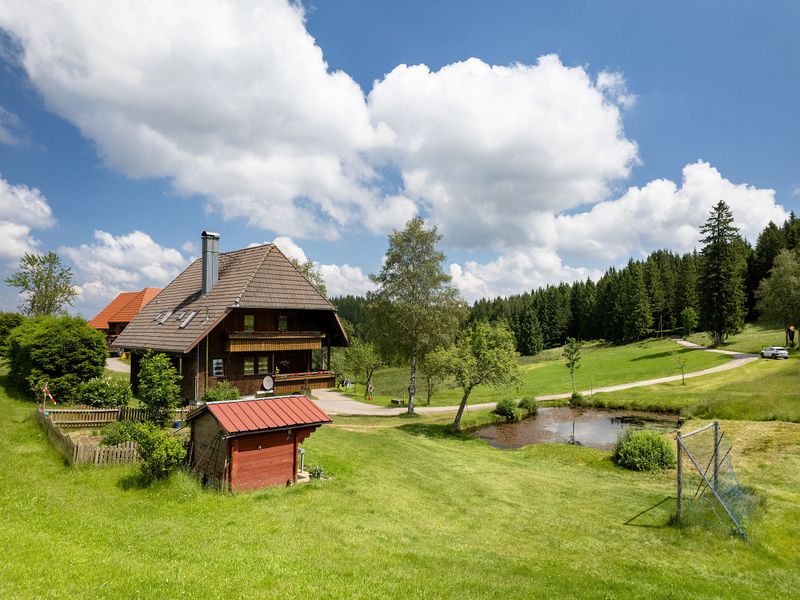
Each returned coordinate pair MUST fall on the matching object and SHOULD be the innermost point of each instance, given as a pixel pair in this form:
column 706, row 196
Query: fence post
column 679, row 514
column 716, row 456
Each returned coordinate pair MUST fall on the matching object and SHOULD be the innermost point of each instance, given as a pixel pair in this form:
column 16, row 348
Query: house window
column 249, row 366
column 217, row 369
column 249, row 322
column 263, row 364
column 283, row 323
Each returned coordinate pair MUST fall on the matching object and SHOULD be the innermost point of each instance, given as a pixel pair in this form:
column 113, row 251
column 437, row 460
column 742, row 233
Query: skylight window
column 160, row 319
column 188, row 319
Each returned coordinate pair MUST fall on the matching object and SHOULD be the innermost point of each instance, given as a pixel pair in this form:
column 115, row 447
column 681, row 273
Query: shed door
column 262, row 460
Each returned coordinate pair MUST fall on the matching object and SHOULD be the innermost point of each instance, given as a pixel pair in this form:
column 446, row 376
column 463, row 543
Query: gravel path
column 335, row 403
column 115, row 364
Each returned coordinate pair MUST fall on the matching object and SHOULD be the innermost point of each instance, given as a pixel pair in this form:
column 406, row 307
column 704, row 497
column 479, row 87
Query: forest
column 659, row 294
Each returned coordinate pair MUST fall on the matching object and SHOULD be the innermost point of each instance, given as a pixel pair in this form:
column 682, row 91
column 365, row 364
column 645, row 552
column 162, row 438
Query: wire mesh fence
column 707, row 481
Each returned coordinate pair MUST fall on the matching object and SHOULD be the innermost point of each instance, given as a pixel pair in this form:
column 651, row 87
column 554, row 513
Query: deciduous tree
column 779, row 294
column 572, row 358
column 484, row 354
column 45, row 284
column 158, row 387
column 415, row 307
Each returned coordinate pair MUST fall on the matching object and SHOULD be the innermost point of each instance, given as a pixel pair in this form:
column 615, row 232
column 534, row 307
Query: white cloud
column 114, row 264
column 233, row 101
column 339, row 279
column 489, row 148
column 662, row 214
column 10, row 125
column 515, row 272
column 22, row 209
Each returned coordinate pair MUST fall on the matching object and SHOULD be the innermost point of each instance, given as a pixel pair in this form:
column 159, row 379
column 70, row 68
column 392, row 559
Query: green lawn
column 411, row 511
column 764, row 390
column 752, row 339
column 601, row 365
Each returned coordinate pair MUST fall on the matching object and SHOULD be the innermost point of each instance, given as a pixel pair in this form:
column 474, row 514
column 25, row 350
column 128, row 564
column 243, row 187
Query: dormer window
column 249, row 323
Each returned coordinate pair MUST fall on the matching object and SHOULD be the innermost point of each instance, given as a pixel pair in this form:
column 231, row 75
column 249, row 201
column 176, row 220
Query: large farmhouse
column 248, row 317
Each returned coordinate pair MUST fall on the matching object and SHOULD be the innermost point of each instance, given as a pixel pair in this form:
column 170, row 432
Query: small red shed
column 250, row 444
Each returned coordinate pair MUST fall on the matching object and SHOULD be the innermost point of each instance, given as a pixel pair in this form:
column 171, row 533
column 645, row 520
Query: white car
column 775, row 352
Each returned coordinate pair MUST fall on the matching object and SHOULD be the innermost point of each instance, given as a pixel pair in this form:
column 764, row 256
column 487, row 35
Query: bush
column 224, row 390
column 316, row 471
column 106, row 392
column 62, row 352
column 529, row 405
column 158, row 387
column 577, row 399
column 643, row 450
column 161, row 452
column 8, row 321
column 507, row 408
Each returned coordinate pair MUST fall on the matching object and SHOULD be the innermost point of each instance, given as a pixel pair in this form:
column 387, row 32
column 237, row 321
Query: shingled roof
column 264, row 414
column 257, row 277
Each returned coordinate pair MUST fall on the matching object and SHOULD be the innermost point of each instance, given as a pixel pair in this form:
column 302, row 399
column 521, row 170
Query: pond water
column 593, row 427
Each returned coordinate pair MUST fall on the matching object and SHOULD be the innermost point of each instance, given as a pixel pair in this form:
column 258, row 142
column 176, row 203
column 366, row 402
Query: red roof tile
column 239, row 416
column 123, row 308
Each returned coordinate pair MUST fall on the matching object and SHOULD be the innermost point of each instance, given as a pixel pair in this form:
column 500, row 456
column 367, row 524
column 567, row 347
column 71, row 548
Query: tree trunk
column 457, row 422
column 572, row 379
column 412, row 389
column 430, row 391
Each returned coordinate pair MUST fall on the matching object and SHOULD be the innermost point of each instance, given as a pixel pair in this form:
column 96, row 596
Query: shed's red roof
column 239, row 416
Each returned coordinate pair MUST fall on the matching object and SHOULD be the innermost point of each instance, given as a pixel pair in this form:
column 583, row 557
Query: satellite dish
column 268, row 383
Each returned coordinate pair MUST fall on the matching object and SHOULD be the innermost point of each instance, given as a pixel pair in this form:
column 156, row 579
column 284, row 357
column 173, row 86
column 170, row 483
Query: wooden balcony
column 272, row 341
column 286, row 383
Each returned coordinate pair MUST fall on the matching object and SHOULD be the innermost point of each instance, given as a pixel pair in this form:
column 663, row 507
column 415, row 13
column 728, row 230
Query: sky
column 546, row 141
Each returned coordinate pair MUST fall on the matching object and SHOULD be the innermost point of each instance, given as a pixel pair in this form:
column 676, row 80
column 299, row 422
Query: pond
column 593, row 427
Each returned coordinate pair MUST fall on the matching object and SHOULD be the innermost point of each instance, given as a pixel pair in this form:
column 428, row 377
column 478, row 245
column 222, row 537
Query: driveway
column 115, row 364
column 335, row 403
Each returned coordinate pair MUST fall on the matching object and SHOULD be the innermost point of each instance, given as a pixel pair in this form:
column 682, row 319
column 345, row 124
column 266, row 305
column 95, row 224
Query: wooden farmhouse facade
column 248, row 317
column 249, row 444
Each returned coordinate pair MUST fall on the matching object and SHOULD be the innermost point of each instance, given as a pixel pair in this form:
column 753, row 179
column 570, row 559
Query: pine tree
column 722, row 293
column 637, row 306
column 530, row 340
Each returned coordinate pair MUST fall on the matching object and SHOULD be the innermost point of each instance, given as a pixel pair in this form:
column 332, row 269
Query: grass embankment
column 545, row 373
column 752, row 339
column 410, row 511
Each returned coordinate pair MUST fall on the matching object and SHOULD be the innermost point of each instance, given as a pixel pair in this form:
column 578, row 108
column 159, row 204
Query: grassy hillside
column 764, row 390
column 602, row 365
column 752, row 339
column 411, row 511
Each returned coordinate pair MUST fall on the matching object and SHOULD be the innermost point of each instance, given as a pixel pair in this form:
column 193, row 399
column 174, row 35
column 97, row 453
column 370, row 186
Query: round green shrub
column 161, row 452
column 529, row 405
column 507, row 408
column 224, row 390
column 577, row 399
column 643, row 450
column 62, row 352
column 106, row 392
column 316, row 471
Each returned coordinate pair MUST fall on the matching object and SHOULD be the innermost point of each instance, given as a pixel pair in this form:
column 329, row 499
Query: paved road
column 115, row 364
column 335, row 403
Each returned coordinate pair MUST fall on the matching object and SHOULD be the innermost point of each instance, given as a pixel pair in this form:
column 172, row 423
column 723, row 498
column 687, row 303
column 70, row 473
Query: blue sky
column 536, row 170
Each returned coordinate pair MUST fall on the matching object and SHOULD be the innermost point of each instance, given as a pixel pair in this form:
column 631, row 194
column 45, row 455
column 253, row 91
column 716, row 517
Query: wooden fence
column 83, row 452
column 97, row 417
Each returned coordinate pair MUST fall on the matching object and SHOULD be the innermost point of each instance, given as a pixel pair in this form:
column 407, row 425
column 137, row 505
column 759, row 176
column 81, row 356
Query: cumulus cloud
column 339, row 279
column 113, row 264
column 233, row 101
column 22, row 209
column 663, row 214
column 487, row 149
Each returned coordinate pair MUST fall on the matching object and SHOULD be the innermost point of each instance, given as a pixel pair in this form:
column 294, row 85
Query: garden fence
column 84, row 452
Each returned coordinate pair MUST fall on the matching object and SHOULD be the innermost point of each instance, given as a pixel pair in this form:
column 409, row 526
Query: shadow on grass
column 134, row 481
column 648, row 519
column 438, row 431
column 664, row 354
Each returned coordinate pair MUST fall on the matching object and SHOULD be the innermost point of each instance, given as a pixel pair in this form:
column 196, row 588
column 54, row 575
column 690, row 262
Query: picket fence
column 82, row 452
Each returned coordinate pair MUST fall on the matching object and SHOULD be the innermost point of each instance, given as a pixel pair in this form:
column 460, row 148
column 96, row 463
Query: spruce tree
column 530, row 340
column 722, row 294
column 637, row 305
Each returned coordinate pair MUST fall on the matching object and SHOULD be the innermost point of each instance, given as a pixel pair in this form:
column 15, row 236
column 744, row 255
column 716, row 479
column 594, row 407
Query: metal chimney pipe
column 210, row 261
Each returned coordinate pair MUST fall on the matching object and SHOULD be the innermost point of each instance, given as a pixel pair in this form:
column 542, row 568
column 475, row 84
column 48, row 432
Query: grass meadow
column 601, row 365
column 410, row 510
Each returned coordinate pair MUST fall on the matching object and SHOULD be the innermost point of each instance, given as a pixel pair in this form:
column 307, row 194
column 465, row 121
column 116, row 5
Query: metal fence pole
column 716, row 456
column 679, row 514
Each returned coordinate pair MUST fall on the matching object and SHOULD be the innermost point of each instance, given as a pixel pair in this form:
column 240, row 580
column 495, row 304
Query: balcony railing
column 271, row 341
